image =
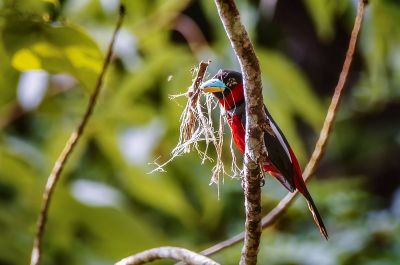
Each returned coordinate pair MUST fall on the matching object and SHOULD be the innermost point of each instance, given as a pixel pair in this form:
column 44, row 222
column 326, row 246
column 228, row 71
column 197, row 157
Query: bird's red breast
column 238, row 132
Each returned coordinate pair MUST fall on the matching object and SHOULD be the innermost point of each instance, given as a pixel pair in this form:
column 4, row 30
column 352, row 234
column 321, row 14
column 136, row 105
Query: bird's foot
column 262, row 181
column 266, row 127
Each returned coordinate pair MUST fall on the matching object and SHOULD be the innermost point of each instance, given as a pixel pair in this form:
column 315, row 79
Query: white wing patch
column 282, row 142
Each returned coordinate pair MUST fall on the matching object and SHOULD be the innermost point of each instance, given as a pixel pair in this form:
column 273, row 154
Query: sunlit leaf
column 323, row 13
column 54, row 2
column 293, row 88
column 56, row 49
column 24, row 58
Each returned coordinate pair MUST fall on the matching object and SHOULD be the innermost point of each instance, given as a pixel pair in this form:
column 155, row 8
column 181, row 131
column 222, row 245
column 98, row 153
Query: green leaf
column 156, row 190
column 323, row 13
column 291, row 86
column 56, row 49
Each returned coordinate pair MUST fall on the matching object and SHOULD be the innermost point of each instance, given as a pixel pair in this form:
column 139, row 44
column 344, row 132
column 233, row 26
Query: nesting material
column 197, row 125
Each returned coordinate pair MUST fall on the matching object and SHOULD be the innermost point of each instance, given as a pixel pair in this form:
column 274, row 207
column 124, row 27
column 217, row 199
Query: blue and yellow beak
column 213, row 86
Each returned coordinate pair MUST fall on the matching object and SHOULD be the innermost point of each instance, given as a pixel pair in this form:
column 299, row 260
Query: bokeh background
column 107, row 206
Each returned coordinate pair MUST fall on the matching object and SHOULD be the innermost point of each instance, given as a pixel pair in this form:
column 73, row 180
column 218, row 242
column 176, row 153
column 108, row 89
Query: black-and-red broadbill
column 227, row 87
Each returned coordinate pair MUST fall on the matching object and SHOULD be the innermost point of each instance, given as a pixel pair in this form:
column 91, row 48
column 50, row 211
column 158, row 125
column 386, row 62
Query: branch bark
column 193, row 95
column 320, row 146
column 68, row 148
column 255, row 149
column 175, row 253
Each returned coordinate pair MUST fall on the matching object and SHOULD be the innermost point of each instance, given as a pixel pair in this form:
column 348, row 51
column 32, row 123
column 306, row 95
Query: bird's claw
column 267, row 128
column 262, row 181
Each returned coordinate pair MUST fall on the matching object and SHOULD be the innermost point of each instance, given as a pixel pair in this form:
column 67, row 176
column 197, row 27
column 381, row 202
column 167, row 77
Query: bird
column 281, row 162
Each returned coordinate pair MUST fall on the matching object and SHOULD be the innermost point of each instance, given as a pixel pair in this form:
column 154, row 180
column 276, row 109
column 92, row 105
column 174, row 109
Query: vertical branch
column 326, row 130
column 68, row 148
column 250, row 69
column 321, row 144
column 336, row 98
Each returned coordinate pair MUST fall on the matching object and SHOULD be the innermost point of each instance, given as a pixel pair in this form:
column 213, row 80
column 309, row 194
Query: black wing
column 278, row 153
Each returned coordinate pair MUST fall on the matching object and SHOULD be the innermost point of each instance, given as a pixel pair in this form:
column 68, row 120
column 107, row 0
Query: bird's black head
column 227, row 86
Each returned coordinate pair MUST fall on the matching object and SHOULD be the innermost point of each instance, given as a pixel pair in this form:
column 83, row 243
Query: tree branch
column 68, row 148
column 175, row 253
column 255, row 149
column 320, row 146
column 193, row 95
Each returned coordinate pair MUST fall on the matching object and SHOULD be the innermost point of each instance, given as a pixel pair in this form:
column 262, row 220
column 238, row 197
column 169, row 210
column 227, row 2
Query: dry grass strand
column 197, row 126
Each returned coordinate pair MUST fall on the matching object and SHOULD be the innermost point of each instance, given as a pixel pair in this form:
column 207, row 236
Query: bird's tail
column 301, row 186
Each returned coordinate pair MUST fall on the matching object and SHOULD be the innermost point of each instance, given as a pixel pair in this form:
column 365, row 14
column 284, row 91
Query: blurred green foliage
column 107, row 206
column 56, row 49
